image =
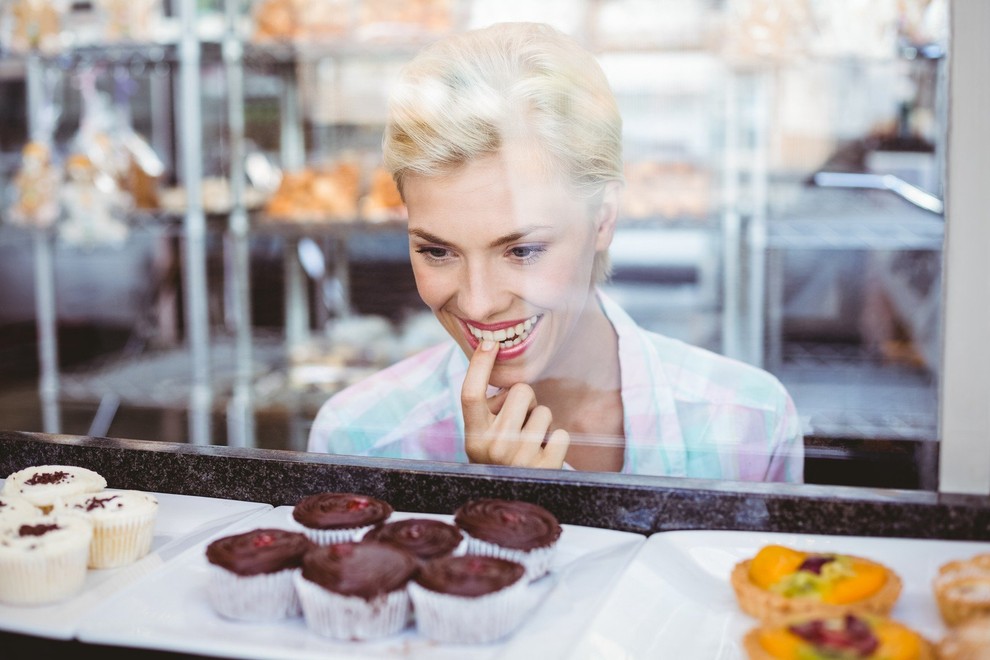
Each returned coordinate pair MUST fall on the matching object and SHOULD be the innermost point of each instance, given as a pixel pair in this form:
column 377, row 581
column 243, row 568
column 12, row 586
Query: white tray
column 182, row 521
column 675, row 600
column 169, row 610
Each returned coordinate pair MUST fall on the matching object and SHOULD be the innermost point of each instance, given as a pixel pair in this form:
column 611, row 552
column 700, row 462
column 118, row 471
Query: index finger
column 474, row 391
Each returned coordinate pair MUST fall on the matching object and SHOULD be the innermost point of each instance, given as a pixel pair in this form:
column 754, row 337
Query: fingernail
column 487, row 345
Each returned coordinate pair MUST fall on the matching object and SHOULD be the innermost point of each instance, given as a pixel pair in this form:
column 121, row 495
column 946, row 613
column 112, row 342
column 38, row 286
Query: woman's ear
column 607, row 215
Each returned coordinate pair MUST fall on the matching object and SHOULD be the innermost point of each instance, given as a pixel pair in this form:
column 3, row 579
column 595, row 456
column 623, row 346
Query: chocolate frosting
column 469, row 575
column 366, row 570
column 259, row 551
column 340, row 511
column 423, row 537
column 508, row 523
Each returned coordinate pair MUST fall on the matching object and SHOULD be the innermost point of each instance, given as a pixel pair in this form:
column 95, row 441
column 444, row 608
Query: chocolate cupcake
column 424, row 538
column 469, row 599
column 339, row 517
column 251, row 574
column 510, row 529
column 356, row 590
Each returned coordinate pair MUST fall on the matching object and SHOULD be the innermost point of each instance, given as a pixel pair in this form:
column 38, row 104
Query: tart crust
column 770, row 607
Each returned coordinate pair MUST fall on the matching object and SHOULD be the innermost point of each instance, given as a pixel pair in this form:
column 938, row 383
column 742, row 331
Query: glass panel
column 783, row 168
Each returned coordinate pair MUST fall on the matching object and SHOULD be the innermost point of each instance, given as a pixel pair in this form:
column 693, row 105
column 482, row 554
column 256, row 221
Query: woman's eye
column 433, row 252
column 527, row 252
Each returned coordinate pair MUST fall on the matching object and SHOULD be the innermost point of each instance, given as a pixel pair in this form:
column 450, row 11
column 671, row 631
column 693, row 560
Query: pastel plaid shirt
column 688, row 412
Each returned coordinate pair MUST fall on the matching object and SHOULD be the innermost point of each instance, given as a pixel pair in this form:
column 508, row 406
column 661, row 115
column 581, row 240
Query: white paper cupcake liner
column 43, row 577
column 264, row 597
column 331, row 536
column 350, row 617
column 456, row 619
column 537, row 561
column 118, row 543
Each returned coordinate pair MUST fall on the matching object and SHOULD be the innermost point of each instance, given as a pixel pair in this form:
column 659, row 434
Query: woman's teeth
column 506, row 337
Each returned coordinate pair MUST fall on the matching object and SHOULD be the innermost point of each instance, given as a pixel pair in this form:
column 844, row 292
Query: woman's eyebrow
column 498, row 242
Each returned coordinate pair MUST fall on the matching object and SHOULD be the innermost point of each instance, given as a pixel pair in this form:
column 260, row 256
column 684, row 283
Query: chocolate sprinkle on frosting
column 259, row 551
column 424, row 537
column 46, row 478
column 340, row 511
column 36, row 530
column 469, row 575
column 99, row 502
column 366, row 570
column 509, row 523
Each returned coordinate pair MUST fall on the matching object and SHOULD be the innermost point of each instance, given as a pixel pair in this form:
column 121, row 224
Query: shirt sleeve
column 787, row 445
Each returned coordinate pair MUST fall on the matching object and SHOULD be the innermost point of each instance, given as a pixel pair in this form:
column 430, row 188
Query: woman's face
column 501, row 251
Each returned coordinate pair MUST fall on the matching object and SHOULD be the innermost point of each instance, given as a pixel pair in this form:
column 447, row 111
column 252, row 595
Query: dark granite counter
column 638, row 504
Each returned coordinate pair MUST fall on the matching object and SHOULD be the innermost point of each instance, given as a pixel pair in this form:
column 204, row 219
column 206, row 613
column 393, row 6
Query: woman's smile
column 513, row 337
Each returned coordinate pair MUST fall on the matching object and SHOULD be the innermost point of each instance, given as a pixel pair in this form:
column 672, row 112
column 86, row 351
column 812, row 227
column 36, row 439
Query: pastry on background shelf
column 36, row 188
column 863, row 637
column 383, row 203
column 962, row 589
column 317, row 195
column 780, row 582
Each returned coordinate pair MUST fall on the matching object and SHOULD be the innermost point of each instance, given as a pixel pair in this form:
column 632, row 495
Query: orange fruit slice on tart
column 780, row 583
column 848, row 636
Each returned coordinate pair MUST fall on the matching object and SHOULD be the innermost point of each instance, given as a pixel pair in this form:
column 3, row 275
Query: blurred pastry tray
column 183, row 520
column 676, row 594
column 169, row 610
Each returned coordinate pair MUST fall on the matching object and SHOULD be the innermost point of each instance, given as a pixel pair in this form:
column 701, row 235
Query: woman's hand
column 509, row 428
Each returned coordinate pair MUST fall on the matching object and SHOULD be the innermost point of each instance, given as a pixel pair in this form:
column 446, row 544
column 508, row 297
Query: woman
column 506, row 146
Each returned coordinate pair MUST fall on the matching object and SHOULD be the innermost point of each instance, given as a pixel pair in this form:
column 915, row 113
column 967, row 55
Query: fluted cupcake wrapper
column 537, row 561
column 118, row 543
column 331, row 536
column 43, row 577
column 462, row 620
column 350, row 617
column 263, row 597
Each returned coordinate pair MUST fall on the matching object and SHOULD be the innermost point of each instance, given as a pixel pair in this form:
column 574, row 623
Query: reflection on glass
column 506, row 145
column 780, row 160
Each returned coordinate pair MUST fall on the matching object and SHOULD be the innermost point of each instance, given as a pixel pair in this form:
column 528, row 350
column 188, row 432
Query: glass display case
column 782, row 205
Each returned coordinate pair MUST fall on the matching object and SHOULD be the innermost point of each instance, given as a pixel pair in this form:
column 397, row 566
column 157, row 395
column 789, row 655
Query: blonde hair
column 464, row 97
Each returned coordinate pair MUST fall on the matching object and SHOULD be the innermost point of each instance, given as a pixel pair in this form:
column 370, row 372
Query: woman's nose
column 481, row 294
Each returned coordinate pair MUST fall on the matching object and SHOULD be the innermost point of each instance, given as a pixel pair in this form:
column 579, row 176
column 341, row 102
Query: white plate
column 169, row 610
column 675, row 600
column 182, row 521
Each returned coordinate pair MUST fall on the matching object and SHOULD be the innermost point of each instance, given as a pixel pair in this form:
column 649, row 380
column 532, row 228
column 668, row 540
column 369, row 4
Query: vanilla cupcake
column 351, row 591
column 14, row 508
column 43, row 560
column 779, row 583
column 470, row 599
column 251, row 574
column 864, row 637
column 962, row 589
column 510, row 529
column 43, row 485
column 123, row 524
column 339, row 517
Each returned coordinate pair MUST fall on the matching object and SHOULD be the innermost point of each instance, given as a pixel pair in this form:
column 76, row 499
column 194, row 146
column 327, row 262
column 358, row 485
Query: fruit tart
column 846, row 636
column 779, row 583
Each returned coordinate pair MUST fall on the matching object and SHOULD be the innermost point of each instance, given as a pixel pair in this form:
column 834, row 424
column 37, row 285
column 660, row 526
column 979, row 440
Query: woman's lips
column 512, row 337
